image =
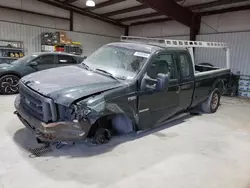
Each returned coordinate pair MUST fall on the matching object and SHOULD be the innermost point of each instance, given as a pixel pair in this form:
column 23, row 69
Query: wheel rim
column 215, row 100
column 9, row 84
column 103, row 136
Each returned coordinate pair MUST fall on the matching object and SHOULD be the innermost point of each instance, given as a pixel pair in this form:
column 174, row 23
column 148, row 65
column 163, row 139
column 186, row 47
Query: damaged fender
column 94, row 108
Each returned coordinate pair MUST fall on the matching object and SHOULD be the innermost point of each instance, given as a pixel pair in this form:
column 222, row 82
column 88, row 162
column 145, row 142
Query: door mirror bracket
column 159, row 84
column 162, row 82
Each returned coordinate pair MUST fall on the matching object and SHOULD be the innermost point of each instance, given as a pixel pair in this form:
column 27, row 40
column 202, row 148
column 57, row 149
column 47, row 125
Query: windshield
column 25, row 59
column 120, row 62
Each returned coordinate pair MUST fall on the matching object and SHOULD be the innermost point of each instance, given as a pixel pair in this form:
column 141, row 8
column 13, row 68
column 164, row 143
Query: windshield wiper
column 107, row 73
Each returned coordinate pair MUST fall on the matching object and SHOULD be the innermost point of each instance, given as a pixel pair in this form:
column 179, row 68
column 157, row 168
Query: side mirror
column 162, row 82
column 159, row 84
column 33, row 63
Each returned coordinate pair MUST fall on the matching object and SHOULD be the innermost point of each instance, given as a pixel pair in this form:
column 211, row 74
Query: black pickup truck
column 120, row 88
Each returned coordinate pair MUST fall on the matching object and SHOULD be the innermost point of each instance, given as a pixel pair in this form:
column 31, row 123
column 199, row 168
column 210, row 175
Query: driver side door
column 156, row 106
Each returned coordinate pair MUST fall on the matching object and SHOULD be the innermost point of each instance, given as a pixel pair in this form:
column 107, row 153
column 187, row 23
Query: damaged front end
column 73, row 123
column 62, row 130
column 53, row 122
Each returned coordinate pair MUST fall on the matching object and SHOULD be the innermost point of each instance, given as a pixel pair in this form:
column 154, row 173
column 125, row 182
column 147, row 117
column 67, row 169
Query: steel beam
column 172, row 9
column 71, row 21
column 192, row 7
column 195, row 28
column 69, row 1
column 126, row 32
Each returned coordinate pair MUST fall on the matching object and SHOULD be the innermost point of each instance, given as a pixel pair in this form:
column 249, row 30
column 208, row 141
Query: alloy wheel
column 9, row 84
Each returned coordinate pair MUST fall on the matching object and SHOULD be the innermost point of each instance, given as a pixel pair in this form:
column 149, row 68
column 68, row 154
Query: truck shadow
column 27, row 141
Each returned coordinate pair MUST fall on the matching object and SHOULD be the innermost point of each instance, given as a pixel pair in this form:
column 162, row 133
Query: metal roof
column 133, row 12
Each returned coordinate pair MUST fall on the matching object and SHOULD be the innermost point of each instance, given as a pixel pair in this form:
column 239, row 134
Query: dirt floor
column 206, row 151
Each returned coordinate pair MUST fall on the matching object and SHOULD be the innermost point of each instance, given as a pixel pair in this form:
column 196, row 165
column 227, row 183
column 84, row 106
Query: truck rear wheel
column 212, row 103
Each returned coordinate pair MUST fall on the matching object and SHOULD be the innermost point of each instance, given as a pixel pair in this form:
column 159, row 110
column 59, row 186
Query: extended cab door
column 66, row 60
column 155, row 106
column 186, row 80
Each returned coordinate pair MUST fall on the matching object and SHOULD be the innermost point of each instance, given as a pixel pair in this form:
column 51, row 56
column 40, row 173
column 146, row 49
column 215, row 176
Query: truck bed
column 202, row 71
column 204, row 68
column 205, row 77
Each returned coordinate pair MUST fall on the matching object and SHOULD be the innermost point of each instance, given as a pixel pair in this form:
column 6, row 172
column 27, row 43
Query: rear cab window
column 185, row 66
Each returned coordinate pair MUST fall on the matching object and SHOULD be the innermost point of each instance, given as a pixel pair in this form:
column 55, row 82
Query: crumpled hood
column 67, row 84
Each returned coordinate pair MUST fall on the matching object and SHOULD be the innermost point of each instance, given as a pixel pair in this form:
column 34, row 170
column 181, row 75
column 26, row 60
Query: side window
column 64, row 59
column 163, row 63
column 185, row 67
column 45, row 59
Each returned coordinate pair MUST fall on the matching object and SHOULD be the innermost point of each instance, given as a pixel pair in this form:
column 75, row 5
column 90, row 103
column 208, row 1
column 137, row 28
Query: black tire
column 212, row 103
column 102, row 136
column 9, row 84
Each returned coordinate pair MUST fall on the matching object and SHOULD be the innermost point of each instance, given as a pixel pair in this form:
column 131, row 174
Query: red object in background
column 59, row 49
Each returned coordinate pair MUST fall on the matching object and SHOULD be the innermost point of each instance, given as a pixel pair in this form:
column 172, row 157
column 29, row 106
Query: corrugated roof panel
column 226, row 6
column 117, row 6
column 134, row 13
column 145, row 19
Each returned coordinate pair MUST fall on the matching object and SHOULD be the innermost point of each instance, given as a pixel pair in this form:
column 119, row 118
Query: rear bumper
column 52, row 132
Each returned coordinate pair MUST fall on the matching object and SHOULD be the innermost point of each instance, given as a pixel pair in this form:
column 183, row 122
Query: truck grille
column 41, row 107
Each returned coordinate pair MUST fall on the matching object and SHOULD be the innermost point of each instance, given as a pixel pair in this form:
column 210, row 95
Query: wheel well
column 219, row 85
column 11, row 73
column 102, row 122
column 107, row 122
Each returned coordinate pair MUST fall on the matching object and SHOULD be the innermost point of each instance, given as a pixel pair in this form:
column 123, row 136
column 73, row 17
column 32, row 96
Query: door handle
column 178, row 90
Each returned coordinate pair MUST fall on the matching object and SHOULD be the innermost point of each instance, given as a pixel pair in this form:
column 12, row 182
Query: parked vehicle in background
column 12, row 72
column 120, row 88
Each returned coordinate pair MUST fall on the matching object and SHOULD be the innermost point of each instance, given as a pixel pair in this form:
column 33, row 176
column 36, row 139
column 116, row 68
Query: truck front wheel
column 102, row 136
column 212, row 103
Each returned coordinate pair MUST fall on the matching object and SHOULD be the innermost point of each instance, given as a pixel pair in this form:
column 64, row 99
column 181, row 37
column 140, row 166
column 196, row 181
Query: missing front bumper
column 53, row 132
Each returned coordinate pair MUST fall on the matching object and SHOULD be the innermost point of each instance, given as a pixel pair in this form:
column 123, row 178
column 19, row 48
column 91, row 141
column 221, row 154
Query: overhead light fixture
column 90, row 3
